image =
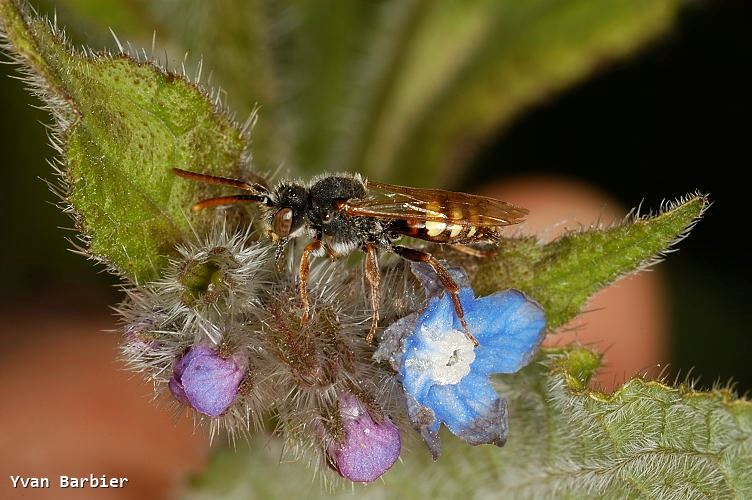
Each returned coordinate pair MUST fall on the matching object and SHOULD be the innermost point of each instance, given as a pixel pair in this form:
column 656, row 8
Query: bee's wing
column 390, row 201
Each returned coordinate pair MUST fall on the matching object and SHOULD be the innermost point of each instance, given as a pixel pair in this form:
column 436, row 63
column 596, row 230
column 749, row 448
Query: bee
column 341, row 213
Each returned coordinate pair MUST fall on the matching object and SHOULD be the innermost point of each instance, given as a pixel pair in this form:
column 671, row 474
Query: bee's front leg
column 446, row 280
column 305, row 266
column 374, row 279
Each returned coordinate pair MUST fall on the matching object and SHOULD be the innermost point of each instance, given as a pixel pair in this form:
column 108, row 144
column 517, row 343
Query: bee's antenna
column 230, row 200
column 254, row 187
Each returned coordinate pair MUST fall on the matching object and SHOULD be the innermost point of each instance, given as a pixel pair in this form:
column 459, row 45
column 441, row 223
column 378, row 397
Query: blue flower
column 205, row 381
column 446, row 380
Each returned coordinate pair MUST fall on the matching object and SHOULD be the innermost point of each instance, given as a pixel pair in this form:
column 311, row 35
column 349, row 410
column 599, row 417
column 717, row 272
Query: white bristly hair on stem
column 223, row 293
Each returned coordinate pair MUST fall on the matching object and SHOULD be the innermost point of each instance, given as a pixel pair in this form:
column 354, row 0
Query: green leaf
column 566, row 441
column 234, row 41
column 563, row 274
column 230, row 35
column 464, row 69
column 320, row 62
column 228, row 44
column 399, row 90
column 645, row 440
column 121, row 124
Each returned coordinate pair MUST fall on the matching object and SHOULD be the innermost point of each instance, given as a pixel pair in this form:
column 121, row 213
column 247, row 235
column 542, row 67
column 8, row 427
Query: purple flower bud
column 205, row 381
column 368, row 449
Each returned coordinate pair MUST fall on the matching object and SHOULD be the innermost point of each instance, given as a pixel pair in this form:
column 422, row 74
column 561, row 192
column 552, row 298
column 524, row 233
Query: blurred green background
column 670, row 119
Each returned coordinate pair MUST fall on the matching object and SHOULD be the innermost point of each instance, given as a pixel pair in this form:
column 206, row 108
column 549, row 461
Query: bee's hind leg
column 446, row 280
column 474, row 252
column 305, row 266
column 374, row 279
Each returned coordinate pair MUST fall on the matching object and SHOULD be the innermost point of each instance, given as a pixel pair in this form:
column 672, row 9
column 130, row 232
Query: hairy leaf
column 233, row 41
column 563, row 274
column 644, row 440
column 120, row 125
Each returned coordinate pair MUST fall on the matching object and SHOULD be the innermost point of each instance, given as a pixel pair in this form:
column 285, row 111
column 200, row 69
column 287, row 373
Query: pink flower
column 205, row 381
column 369, row 448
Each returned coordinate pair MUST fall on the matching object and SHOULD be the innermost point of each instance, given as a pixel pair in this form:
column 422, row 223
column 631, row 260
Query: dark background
column 675, row 118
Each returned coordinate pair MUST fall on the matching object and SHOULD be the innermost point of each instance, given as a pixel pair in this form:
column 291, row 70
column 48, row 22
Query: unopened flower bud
column 202, row 281
column 206, row 381
column 368, row 448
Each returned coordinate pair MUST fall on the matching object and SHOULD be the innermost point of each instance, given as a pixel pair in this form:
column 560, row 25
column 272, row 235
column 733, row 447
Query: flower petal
column 415, row 381
column 446, row 383
column 509, row 328
column 462, row 406
column 211, row 383
column 490, row 423
column 434, row 323
column 176, row 388
column 433, row 287
column 490, row 427
column 439, row 315
column 369, row 449
column 189, row 356
column 423, row 419
column 390, row 343
column 449, row 407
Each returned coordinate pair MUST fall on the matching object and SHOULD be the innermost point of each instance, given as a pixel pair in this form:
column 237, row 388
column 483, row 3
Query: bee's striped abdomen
column 453, row 223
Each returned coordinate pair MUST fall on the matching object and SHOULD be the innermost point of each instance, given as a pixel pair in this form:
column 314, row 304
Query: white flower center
column 447, row 358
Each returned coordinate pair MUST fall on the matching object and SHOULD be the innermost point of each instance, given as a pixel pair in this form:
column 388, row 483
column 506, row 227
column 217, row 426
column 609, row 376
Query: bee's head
column 287, row 214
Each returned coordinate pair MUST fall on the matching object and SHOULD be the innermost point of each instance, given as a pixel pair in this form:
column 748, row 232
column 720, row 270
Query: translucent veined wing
column 390, row 201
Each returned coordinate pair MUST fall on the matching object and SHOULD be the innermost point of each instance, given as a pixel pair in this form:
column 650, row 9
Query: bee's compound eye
column 282, row 222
